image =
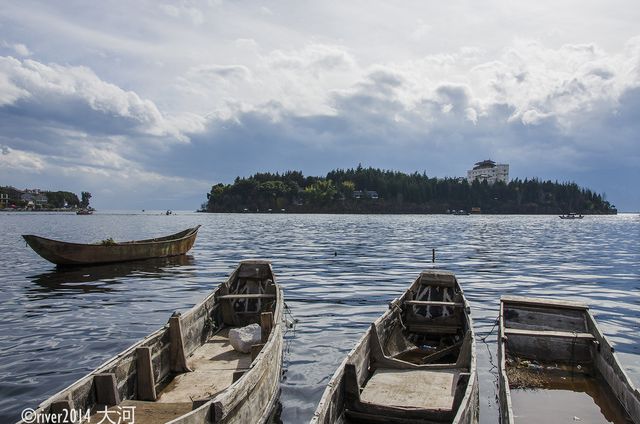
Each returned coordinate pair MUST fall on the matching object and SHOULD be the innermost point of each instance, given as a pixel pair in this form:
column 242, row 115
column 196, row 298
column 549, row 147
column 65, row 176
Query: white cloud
column 48, row 88
column 18, row 48
column 193, row 14
column 347, row 78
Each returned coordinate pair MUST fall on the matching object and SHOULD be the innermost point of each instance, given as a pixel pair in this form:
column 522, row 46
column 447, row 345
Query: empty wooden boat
column 415, row 364
column 571, row 215
column 187, row 372
column 109, row 251
column 556, row 366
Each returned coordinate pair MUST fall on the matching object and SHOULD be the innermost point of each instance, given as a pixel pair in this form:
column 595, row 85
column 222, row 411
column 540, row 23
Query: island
column 372, row 190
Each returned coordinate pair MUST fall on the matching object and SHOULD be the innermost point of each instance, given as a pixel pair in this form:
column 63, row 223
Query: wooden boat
column 187, row 372
column 415, row 364
column 63, row 253
column 556, row 366
column 84, row 212
column 571, row 215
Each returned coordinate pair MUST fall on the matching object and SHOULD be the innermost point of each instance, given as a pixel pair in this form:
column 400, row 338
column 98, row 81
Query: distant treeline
column 370, row 190
column 47, row 199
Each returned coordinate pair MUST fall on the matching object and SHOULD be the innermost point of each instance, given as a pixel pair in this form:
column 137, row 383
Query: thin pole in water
column 433, row 255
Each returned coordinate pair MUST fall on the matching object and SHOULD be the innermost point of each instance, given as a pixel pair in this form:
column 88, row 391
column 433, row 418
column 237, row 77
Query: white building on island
column 489, row 171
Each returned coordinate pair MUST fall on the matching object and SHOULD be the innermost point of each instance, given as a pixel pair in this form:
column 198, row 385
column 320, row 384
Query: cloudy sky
column 147, row 104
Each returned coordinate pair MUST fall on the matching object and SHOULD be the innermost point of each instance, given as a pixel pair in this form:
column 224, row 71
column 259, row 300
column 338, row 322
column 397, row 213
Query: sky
column 148, row 104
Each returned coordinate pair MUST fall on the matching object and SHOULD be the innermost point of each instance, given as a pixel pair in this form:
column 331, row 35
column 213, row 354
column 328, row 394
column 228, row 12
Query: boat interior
column 553, row 356
column 414, row 364
column 176, row 236
column 187, row 363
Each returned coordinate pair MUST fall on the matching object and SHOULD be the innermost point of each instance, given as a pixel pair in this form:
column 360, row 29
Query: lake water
column 339, row 272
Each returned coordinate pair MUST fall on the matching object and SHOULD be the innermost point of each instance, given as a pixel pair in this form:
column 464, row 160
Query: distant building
column 489, row 171
column 4, row 200
column 35, row 197
column 359, row 194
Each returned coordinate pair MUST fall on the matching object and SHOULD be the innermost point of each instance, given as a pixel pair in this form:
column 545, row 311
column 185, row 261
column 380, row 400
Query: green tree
column 85, row 195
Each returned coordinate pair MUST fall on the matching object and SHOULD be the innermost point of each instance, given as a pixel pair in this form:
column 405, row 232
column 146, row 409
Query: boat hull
column 75, row 254
column 180, row 363
column 346, row 398
column 562, row 343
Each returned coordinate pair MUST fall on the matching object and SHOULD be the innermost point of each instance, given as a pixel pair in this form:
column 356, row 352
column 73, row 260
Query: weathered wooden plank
column 106, row 389
column 441, row 353
column 365, row 417
column 614, row 374
column 434, row 303
column 528, row 317
column 237, row 375
column 437, row 278
column 247, row 296
column 61, row 408
column 266, row 324
column 412, row 389
column 255, row 269
column 427, row 328
column 178, row 357
column 255, row 350
column 534, row 301
column 351, row 386
column 548, row 333
column 144, row 371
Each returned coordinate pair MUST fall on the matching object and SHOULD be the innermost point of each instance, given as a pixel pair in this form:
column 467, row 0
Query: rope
column 497, row 320
column 287, row 312
column 396, row 306
column 484, row 340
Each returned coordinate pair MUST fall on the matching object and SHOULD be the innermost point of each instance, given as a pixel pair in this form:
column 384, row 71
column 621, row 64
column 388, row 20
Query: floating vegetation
column 528, row 374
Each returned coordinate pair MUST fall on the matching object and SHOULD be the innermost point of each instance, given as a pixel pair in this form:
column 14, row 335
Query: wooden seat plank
column 434, row 303
column 547, row 333
column 419, row 389
column 247, row 296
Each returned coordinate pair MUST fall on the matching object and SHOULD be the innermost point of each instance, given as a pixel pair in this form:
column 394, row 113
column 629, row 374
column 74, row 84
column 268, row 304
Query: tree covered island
column 370, row 190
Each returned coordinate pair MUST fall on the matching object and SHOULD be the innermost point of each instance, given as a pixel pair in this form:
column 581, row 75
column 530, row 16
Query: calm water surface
column 339, row 272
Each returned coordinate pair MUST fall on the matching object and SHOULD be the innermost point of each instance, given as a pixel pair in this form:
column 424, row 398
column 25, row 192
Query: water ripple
column 339, row 273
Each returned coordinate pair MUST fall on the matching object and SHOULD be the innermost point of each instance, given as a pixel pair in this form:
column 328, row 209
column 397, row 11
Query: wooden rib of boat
column 69, row 254
column 187, row 372
column 556, row 366
column 415, row 364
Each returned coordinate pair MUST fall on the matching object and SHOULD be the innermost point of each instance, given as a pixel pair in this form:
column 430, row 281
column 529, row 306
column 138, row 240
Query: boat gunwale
column 190, row 232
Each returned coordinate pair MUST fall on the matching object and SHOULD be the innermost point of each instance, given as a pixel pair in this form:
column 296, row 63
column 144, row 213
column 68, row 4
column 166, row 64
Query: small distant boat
column 460, row 212
column 556, row 366
column 187, row 371
column 571, row 215
column 415, row 364
column 108, row 251
column 84, row 212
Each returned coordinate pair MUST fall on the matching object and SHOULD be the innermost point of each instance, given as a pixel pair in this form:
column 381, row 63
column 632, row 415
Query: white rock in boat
column 242, row 338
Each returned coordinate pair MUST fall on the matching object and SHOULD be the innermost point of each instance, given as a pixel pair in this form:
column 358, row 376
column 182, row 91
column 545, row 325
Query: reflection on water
column 100, row 278
column 339, row 274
